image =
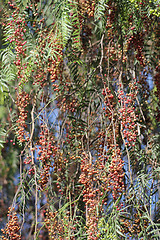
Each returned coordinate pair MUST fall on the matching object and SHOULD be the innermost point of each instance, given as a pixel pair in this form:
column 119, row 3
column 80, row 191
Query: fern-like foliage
column 100, row 15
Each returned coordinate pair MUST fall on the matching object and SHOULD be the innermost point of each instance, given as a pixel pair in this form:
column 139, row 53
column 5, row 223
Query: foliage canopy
column 79, row 114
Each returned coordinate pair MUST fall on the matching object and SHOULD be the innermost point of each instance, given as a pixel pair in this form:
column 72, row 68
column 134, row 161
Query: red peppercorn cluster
column 46, row 151
column 54, row 64
column 87, row 7
column 49, row 156
column 68, row 104
column 133, row 225
column 136, row 41
column 39, row 75
column 116, row 174
column 54, row 226
column 110, row 165
column 91, row 195
column 12, row 230
column 18, row 25
column 127, row 115
column 22, row 103
column 109, row 102
column 58, row 228
column 86, row 11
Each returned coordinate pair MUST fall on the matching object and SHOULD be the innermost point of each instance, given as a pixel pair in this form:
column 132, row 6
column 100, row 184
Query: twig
column 140, row 109
column 35, row 171
column 102, row 55
column 121, row 130
column 129, row 161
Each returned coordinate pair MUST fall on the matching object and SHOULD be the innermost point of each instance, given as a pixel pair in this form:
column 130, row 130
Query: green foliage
column 80, row 118
column 99, row 15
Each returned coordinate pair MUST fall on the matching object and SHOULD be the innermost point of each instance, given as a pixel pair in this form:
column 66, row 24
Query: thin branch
column 35, row 171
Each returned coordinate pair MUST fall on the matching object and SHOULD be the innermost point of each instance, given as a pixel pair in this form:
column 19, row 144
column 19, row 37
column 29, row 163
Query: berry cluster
column 59, row 228
column 22, row 103
column 127, row 115
column 136, row 41
column 116, row 174
column 46, row 151
column 12, row 230
column 68, row 104
column 54, row 68
column 87, row 7
column 109, row 102
column 91, row 195
column 54, row 227
column 133, row 226
column 18, row 25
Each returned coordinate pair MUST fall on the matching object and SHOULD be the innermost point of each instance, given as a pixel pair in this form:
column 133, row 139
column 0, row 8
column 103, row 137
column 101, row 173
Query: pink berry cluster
column 12, row 230
column 22, row 103
column 136, row 41
column 116, row 174
column 127, row 115
column 46, row 152
column 91, row 195
column 18, row 26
